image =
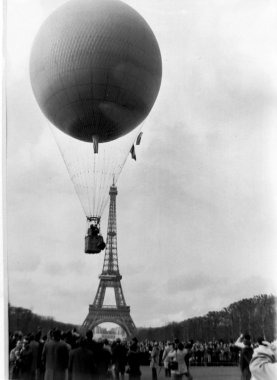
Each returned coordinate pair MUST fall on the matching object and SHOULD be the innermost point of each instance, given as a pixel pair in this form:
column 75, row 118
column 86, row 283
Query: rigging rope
column 93, row 174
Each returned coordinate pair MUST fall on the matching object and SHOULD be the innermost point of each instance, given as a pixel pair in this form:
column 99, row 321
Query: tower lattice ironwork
column 110, row 278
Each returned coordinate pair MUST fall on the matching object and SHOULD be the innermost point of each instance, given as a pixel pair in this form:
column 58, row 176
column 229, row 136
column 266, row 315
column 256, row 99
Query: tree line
column 24, row 320
column 256, row 316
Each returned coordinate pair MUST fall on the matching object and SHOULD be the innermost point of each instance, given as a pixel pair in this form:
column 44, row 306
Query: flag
column 139, row 138
column 133, row 153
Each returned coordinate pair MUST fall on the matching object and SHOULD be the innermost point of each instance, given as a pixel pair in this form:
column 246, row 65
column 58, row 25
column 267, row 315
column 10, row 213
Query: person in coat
column 90, row 343
column 41, row 365
column 104, row 361
column 134, row 361
column 188, row 347
column 55, row 355
column 95, row 348
column 15, row 361
column 244, row 342
column 154, row 362
column 263, row 365
column 34, row 348
column 26, row 359
column 178, row 355
column 165, row 358
column 119, row 359
column 81, row 366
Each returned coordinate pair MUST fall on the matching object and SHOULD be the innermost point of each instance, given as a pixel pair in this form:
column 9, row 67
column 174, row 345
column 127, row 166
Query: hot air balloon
column 95, row 71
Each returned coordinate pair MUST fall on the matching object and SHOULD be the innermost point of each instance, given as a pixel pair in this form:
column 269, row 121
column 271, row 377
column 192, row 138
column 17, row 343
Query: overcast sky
column 197, row 211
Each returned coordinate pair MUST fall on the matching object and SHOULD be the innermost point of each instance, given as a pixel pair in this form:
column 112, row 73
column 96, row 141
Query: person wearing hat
column 263, row 365
column 119, row 359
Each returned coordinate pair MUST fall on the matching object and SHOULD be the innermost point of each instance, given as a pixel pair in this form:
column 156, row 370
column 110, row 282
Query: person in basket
column 178, row 364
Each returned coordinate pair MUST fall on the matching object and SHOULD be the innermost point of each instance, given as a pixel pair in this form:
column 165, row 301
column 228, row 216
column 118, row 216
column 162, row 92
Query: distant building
column 112, row 334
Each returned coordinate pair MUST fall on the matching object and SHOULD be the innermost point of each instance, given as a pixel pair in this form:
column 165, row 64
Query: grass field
column 199, row 373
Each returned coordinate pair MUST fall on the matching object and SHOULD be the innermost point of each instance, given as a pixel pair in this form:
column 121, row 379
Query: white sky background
column 197, row 211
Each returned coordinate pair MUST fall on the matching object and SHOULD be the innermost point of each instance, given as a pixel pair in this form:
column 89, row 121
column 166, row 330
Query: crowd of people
column 214, row 353
column 71, row 356
column 257, row 361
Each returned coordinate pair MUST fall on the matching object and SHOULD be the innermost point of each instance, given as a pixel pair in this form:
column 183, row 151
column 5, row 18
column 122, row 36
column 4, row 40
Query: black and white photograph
column 139, row 189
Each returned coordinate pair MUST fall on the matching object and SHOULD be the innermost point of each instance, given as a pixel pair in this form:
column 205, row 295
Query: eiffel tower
column 110, row 278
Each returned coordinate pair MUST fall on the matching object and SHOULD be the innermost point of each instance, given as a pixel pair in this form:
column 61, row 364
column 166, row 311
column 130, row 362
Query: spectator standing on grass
column 41, row 364
column 201, row 353
column 80, row 362
column 34, row 345
column 233, row 350
column 55, row 356
column 63, row 339
column 209, row 353
column 244, row 341
column 134, row 361
column 154, row 362
column 161, row 351
column 26, row 359
column 197, row 353
column 12, row 341
column 178, row 355
column 91, row 344
column 217, row 352
column 14, row 338
column 74, row 338
column 119, row 359
column 188, row 347
column 104, row 360
column 15, row 361
column 240, row 342
column 165, row 358
column 95, row 348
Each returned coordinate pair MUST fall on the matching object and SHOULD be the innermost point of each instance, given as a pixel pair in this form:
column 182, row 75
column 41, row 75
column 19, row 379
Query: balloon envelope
column 95, row 69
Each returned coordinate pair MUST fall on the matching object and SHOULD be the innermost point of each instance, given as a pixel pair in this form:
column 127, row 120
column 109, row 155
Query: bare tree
column 214, row 318
column 266, row 305
column 250, row 307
